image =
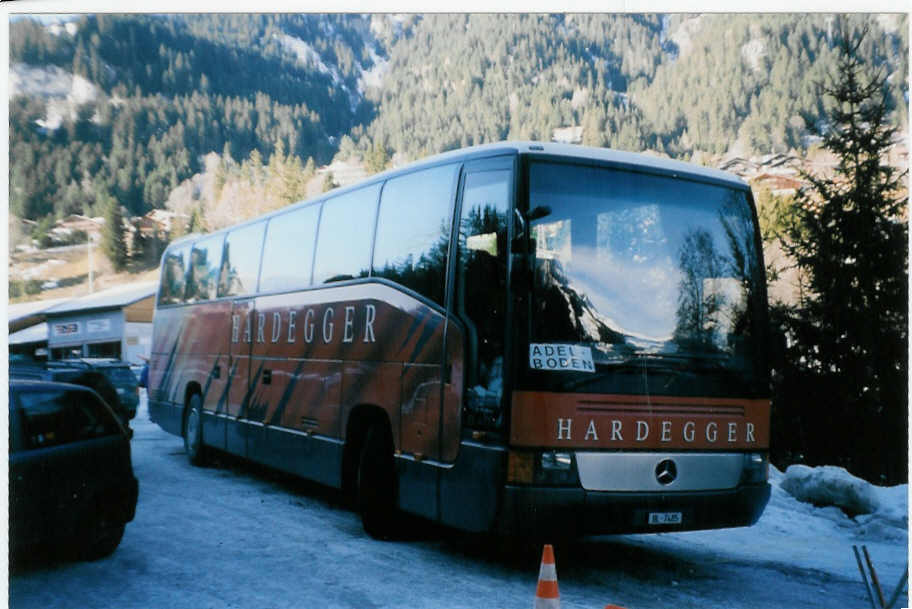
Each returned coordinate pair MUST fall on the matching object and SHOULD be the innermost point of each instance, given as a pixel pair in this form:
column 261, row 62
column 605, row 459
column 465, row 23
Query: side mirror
column 539, row 211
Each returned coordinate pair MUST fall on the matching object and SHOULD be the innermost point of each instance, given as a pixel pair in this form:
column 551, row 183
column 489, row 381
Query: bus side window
column 481, row 296
column 173, row 274
column 205, row 258
column 345, row 236
column 288, row 252
column 241, row 261
column 413, row 230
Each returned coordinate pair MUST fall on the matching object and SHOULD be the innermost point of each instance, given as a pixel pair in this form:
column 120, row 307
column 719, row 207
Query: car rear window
column 120, row 375
column 55, row 417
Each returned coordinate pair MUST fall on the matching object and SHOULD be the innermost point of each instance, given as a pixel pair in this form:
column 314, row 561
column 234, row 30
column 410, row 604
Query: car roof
column 97, row 362
column 20, row 384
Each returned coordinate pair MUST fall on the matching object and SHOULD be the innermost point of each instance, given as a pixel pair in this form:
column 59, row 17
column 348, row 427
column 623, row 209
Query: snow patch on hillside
column 68, row 27
column 64, row 91
column 753, row 53
column 35, row 81
column 373, row 78
column 889, row 23
column 308, row 56
column 683, row 35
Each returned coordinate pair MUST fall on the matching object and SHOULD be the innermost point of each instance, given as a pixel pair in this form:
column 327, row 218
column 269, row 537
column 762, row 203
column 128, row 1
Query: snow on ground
column 236, row 535
column 800, row 536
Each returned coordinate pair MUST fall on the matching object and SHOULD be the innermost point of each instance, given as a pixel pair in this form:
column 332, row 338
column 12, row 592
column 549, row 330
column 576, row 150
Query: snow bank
column 891, row 520
column 865, row 510
column 829, row 485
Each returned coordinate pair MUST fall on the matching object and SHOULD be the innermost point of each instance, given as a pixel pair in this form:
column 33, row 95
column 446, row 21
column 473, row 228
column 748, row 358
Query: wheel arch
column 192, row 388
column 360, row 419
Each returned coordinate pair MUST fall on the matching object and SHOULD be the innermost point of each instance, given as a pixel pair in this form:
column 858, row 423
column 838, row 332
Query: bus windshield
column 659, row 279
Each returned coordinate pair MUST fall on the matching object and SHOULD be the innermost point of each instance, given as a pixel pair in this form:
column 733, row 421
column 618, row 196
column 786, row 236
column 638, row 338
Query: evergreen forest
column 168, row 89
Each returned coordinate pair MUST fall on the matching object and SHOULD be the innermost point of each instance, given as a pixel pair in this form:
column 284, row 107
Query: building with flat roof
column 112, row 323
column 26, row 326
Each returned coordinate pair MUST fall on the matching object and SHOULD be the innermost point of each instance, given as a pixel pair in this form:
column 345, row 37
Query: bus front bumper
column 575, row 511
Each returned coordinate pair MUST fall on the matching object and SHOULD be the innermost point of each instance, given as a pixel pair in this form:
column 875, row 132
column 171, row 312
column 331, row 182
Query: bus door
column 205, row 343
column 211, row 321
column 238, row 281
column 475, row 345
column 241, row 378
column 273, row 368
column 295, row 385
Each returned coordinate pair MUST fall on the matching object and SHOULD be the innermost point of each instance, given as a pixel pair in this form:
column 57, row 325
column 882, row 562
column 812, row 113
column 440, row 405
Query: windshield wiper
column 631, row 364
column 677, row 363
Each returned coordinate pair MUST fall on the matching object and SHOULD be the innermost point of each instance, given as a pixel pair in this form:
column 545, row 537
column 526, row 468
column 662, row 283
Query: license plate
column 665, row 518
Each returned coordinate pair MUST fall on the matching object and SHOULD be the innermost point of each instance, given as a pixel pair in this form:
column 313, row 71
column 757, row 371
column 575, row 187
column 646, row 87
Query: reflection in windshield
column 644, row 267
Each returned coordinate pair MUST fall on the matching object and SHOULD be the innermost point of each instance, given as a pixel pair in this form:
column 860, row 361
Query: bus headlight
column 555, row 467
column 548, row 467
column 756, row 468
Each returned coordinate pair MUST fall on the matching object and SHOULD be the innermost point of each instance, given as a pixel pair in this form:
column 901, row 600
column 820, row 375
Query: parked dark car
column 71, row 482
column 112, row 379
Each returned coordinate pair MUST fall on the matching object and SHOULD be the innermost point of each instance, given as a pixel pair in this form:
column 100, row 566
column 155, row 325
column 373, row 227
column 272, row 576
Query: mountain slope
column 128, row 105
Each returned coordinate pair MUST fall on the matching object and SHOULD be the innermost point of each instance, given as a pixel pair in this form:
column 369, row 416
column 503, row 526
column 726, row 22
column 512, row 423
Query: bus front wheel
column 193, row 431
column 376, row 483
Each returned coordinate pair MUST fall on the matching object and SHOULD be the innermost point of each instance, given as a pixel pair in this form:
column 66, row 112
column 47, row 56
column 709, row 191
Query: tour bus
column 511, row 337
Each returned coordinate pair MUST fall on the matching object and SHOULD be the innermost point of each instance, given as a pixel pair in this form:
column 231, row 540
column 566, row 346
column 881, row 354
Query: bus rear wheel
column 376, row 484
column 193, row 431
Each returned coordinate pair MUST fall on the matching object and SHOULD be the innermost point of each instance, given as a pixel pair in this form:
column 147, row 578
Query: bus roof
column 628, row 160
column 618, row 158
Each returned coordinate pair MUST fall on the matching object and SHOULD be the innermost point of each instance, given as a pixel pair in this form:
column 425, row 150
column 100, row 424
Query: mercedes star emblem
column 666, row 472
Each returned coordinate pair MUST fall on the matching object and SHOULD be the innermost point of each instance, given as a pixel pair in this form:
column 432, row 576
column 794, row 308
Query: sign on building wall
column 65, row 329
column 94, row 326
column 86, row 328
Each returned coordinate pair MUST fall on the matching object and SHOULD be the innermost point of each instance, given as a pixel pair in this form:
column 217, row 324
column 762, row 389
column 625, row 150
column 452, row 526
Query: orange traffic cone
column 547, row 595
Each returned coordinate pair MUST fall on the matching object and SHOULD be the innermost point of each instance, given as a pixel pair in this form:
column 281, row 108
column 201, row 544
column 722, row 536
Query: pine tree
column 377, row 158
column 849, row 358
column 196, row 223
column 113, row 244
column 329, row 182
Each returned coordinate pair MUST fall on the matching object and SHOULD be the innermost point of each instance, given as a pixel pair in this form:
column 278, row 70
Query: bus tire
column 376, row 483
column 193, row 431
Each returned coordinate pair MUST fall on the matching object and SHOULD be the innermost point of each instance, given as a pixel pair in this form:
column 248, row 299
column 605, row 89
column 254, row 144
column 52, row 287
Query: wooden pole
column 899, row 587
column 864, row 577
column 876, row 583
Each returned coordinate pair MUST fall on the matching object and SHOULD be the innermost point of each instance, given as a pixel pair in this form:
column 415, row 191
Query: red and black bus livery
column 508, row 337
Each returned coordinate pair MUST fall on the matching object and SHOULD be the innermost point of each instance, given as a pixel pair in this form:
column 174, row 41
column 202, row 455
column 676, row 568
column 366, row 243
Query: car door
column 70, row 452
column 30, row 493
